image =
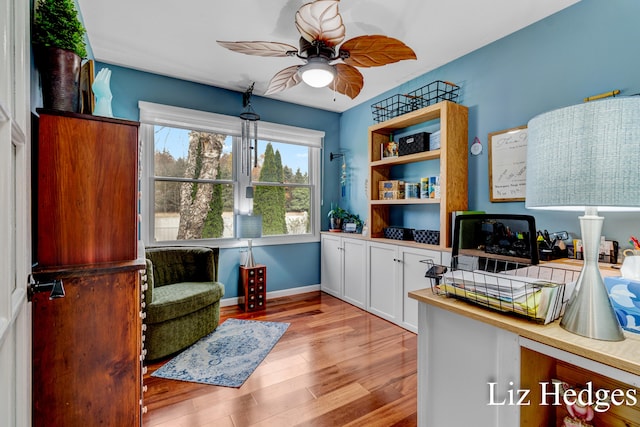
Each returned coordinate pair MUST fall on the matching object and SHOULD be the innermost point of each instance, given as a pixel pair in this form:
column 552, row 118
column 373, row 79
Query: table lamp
column 249, row 227
column 586, row 157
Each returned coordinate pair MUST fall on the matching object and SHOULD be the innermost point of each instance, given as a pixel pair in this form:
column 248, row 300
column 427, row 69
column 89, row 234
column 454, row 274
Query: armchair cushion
column 171, row 301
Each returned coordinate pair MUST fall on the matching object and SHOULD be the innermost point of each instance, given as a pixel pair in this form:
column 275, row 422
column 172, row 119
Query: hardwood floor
column 336, row 365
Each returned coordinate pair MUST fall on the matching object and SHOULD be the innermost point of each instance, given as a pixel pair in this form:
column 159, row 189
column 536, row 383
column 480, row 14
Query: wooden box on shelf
column 452, row 156
column 254, row 285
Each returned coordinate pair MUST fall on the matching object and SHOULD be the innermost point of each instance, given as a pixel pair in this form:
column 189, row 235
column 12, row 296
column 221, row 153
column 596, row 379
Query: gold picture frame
column 87, row 98
column 508, row 165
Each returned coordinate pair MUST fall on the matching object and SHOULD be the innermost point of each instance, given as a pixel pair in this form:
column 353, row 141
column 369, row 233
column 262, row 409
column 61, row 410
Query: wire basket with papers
column 536, row 292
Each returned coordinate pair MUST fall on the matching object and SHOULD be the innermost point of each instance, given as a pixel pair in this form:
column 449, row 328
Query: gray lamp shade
column 585, row 155
column 249, row 226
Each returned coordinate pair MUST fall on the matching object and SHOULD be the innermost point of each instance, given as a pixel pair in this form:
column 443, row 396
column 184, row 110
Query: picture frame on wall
column 508, row 164
column 87, row 98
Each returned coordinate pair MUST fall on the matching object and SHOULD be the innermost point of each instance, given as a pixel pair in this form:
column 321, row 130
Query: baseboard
column 275, row 294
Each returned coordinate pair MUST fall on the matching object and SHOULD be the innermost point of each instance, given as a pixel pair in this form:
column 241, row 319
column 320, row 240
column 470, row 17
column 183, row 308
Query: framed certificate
column 508, row 165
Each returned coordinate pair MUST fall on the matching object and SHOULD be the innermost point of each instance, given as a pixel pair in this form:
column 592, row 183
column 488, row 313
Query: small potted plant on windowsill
column 336, row 217
column 59, row 46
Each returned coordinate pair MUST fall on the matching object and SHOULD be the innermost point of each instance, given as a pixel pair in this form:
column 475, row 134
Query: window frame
column 152, row 114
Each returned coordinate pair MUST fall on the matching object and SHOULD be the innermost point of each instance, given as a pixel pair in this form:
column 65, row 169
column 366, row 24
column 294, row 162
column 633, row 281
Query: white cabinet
column 394, row 271
column 414, row 264
column 384, row 290
column 376, row 276
column 457, row 359
column 343, row 270
column 331, row 267
column 486, row 361
column 354, row 271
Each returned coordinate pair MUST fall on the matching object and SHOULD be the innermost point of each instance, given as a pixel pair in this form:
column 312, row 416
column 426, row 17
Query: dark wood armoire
column 87, row 343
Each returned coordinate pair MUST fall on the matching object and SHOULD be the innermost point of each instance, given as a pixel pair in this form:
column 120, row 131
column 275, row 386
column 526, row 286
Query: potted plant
column 353, row 219
column 336, row 216
column 59, row 46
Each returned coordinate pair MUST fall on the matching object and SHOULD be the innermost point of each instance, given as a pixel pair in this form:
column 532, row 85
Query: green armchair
column 182, row 298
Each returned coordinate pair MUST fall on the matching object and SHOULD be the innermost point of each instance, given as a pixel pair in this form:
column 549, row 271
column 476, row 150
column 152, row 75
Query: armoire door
column 86, row 349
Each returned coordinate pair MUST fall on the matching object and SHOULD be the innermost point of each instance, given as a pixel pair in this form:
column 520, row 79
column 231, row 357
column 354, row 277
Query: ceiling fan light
column 317, row 72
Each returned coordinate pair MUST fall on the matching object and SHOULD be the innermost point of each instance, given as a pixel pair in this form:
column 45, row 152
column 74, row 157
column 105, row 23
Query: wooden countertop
column 408, row 243
column 624, row 355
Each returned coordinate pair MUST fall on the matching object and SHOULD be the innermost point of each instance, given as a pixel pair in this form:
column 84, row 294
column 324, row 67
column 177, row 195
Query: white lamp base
column 589, row 311
column 249, row 261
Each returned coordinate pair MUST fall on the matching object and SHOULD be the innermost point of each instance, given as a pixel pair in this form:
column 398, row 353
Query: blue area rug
column 227, row 356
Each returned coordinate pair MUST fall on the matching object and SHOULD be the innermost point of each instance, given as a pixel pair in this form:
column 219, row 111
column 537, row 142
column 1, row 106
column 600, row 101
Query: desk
column 462, row 348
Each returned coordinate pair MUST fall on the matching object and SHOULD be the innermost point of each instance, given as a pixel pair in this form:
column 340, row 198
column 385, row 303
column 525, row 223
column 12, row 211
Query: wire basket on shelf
column 389, row 108
column 536, row 292
column 399, row 104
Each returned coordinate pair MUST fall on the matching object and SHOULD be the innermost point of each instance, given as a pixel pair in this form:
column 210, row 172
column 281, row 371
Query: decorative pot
column 60, row 78
column 335, row 223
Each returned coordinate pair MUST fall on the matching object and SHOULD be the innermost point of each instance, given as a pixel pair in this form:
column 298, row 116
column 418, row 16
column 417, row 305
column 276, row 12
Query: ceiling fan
column 327, row 61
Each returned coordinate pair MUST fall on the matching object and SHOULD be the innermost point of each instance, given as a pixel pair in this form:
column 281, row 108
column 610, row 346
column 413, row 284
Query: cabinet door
column 384, row 292
column 86, row 350
column 331, row 268
column 355, row 271
column 87, row 190
column 414, row 266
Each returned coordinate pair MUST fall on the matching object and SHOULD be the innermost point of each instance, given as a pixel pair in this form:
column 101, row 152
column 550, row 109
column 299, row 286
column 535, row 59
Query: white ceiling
column 178, row 38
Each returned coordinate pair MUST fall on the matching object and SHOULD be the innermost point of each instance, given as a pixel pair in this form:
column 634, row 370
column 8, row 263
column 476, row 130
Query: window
column 193, row 185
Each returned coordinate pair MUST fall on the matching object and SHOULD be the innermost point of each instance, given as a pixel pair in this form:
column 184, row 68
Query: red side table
column 254, row 285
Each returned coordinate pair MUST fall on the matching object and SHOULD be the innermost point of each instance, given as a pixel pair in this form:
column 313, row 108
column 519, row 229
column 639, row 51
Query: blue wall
column 587, row 49
column 288, row 266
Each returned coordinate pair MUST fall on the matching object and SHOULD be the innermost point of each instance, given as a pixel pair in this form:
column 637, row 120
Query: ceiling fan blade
column 374, row 51
column 348, row 81
column 284, row 79
column 320, row 20
column 259, row 48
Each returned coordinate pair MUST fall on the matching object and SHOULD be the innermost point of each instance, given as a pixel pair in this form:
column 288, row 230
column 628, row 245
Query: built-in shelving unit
column 453, row 165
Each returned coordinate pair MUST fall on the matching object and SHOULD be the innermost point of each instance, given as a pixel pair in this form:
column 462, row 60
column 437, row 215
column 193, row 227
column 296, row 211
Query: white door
column 355, row 271
column 384, row 292
column 331, row 265
column 15, row 222
column 414, row 266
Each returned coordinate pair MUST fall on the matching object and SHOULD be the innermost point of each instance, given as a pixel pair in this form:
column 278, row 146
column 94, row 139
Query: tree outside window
column 194, row 186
